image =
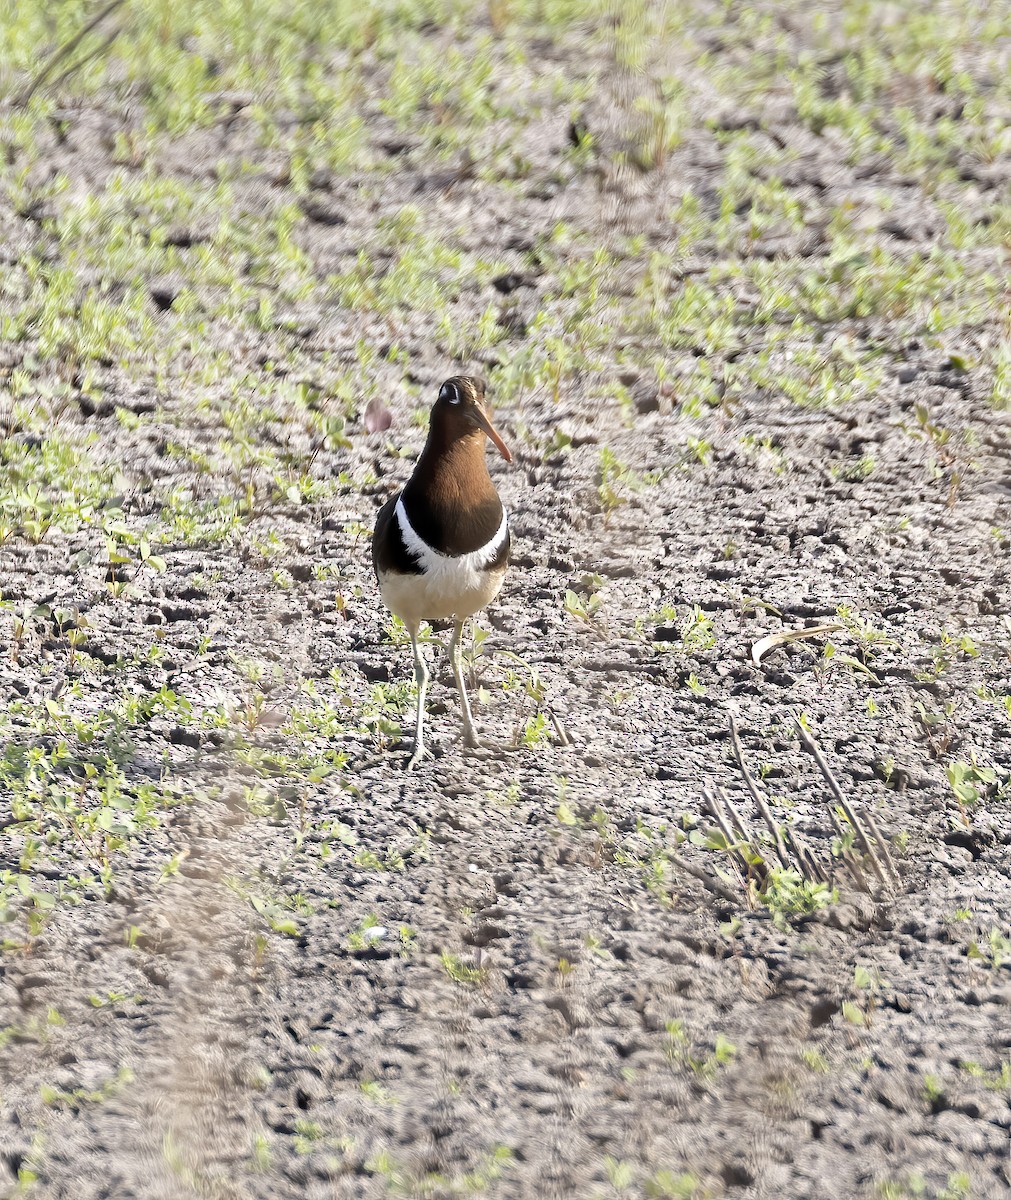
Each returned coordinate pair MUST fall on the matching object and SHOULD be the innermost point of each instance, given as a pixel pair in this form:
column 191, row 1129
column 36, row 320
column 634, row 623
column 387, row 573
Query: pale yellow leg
column 421, row 679
column 456, row 659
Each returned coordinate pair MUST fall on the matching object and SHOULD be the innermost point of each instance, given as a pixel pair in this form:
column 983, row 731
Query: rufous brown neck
column 452, row 470
column 450, row 499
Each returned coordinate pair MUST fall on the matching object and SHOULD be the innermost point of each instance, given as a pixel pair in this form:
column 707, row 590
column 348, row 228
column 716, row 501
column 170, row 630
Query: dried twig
column 712, row 801
column 712, row 884
column 752, row 786
column 789, row 848
column 865, row 844
column 886, row 853
column 804, row 859
column 785, row 636
column 98, row 51
column 738, row 820
column 852, row 865
column 734, row 819
column 751, row 859
column 61, row 52
column 560, row 731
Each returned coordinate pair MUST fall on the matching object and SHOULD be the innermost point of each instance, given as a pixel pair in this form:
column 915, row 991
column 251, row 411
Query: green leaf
column 852, row 1013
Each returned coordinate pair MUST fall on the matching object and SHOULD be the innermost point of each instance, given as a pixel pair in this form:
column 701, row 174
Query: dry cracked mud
column 246, row 954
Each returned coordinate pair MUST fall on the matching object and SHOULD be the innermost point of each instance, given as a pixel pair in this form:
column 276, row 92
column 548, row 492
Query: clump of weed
column 617, row 481
column 780, row 871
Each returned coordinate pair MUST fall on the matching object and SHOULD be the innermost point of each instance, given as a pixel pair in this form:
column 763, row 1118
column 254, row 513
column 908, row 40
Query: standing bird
column 440, row 548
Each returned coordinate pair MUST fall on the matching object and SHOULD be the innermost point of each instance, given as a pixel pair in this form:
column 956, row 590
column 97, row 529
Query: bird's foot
column 471, row 739
column 419, row 753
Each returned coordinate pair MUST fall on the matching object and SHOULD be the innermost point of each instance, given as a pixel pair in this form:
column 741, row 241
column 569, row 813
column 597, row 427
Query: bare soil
column 543, row 1010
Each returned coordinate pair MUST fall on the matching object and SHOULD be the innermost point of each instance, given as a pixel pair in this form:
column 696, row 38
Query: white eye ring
column 451, row 393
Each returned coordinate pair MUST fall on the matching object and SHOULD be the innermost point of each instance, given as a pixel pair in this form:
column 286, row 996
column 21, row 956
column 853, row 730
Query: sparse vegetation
column 736, row 277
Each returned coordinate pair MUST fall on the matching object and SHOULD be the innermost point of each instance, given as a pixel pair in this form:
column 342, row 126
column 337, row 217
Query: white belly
column 441, row 594
column 449, row 585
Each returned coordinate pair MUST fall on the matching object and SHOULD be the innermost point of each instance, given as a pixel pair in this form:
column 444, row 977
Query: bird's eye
column 450, row 392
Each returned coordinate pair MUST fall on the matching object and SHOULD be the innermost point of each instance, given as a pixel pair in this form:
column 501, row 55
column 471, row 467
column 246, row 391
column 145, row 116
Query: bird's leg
column 456, row 659
column 421, row 680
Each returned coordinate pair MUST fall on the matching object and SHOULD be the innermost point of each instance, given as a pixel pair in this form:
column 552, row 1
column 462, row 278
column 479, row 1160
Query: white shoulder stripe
column 434, row 561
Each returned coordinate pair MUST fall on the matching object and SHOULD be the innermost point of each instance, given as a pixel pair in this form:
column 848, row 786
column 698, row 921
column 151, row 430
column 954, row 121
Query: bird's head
column 460, row 409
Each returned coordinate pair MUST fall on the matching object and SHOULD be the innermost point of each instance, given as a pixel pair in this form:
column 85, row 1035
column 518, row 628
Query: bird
column 441, row 545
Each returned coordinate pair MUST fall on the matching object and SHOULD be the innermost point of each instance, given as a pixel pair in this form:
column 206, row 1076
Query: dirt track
column 308, row 974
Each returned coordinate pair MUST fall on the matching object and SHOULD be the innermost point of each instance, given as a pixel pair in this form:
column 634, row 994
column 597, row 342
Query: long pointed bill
column 492, row 432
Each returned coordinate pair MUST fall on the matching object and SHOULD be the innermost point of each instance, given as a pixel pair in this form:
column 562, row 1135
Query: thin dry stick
column 847, row 808
column 736, row 832
column 98, row 50
column 697, row 873
column 734, row 820
column 738, row 819
column 61, row 52
column 805, row 861
column 759, row 800
column 848, row 858
column 560, row 731
column 711, row 801
column 869, row 817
